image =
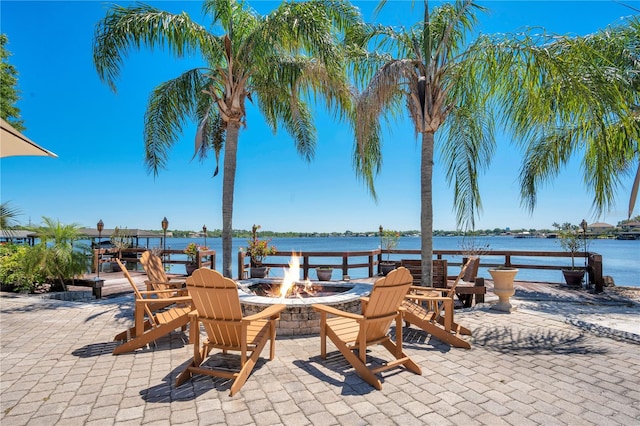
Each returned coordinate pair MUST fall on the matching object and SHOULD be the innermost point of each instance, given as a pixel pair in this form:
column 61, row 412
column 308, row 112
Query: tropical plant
column 279, row 61
column 18, row 268
column 58, row 254
column 192, row 251
column 258, row 249
column 449, row 83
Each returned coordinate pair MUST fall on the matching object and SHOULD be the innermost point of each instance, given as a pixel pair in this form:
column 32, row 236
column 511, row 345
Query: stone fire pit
column 299, row 318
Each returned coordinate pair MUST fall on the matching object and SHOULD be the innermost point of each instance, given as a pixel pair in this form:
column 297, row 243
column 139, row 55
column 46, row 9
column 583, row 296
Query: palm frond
column 469, row 148
column 571, row 94
column 610, row 155
column 211, row 132
column 543, row 161
column 8, row 215
column 382, row 96
column 137, row 26
column 170, row 106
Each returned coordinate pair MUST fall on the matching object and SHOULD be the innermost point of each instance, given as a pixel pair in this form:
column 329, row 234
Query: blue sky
column 97, row 134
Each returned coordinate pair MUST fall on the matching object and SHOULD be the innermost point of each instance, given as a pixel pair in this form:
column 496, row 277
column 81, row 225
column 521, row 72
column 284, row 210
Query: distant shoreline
column 631, row 232
column 545, row 233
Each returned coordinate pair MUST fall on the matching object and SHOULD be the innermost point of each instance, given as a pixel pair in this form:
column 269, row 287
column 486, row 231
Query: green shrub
column 56, row 259
column 19, row 268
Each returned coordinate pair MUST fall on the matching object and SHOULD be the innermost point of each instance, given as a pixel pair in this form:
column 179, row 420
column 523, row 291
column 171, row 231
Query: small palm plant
column 60, row 256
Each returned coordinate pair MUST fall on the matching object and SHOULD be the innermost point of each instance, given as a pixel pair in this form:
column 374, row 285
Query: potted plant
column 570, row 240
column 324, row 273
column 192, row 252
column 389, row 240
column 258, row 250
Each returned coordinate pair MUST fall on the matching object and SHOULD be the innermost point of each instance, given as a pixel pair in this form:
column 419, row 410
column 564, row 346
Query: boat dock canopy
column 16, row 234
column 106, row 233
column 20, row 235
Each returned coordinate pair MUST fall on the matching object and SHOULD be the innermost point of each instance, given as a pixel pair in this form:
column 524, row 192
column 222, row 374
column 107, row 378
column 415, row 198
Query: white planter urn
column 503, row 287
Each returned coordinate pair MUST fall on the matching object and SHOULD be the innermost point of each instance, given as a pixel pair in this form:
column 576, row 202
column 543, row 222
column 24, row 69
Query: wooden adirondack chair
column 160, row 319
column 434, row 313
column 218, row 309
column 469, row 287
column 352, row 332
column 438, row 271
column 158, row 279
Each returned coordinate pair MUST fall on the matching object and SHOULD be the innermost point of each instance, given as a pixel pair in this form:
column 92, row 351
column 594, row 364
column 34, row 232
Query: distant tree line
column 244, row 233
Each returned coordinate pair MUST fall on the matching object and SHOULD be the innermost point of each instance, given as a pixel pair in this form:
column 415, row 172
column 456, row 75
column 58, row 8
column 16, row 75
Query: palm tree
column 606, row 129
column 459, row 87
column 429, row 72
column 277, row 61
column 58, row 254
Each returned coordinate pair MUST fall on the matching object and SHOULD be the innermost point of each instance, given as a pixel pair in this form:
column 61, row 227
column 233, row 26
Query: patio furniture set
column 208, row 300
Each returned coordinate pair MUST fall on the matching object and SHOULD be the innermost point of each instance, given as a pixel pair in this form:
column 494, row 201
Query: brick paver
column 537, row 365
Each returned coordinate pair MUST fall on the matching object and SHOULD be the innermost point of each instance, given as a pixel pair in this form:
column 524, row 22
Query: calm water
column 621, row 259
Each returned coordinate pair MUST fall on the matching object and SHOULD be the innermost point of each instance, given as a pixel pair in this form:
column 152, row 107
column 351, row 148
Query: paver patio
column 549, row 362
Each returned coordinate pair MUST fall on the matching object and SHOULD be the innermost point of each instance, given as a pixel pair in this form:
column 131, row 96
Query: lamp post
column 165, row 225
column 100, row 227
column 583, row 225
column 380, row 257
column 204, row 230
column 98, row 282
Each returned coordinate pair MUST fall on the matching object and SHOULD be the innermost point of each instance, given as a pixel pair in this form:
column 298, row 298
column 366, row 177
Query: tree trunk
column 228, row 187
column 426, row 208
column 62, row 284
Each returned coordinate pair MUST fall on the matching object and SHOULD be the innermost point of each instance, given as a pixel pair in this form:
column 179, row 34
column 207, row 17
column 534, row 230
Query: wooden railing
column 205, row 258
column 593, row 263
column 311, row 260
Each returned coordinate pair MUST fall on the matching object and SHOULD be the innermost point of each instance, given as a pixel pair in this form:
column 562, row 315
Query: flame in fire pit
column 291, row 277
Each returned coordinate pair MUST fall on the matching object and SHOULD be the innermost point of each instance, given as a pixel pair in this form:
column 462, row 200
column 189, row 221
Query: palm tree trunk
column 228, row 185
column 62, row 284
column 426, row 208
